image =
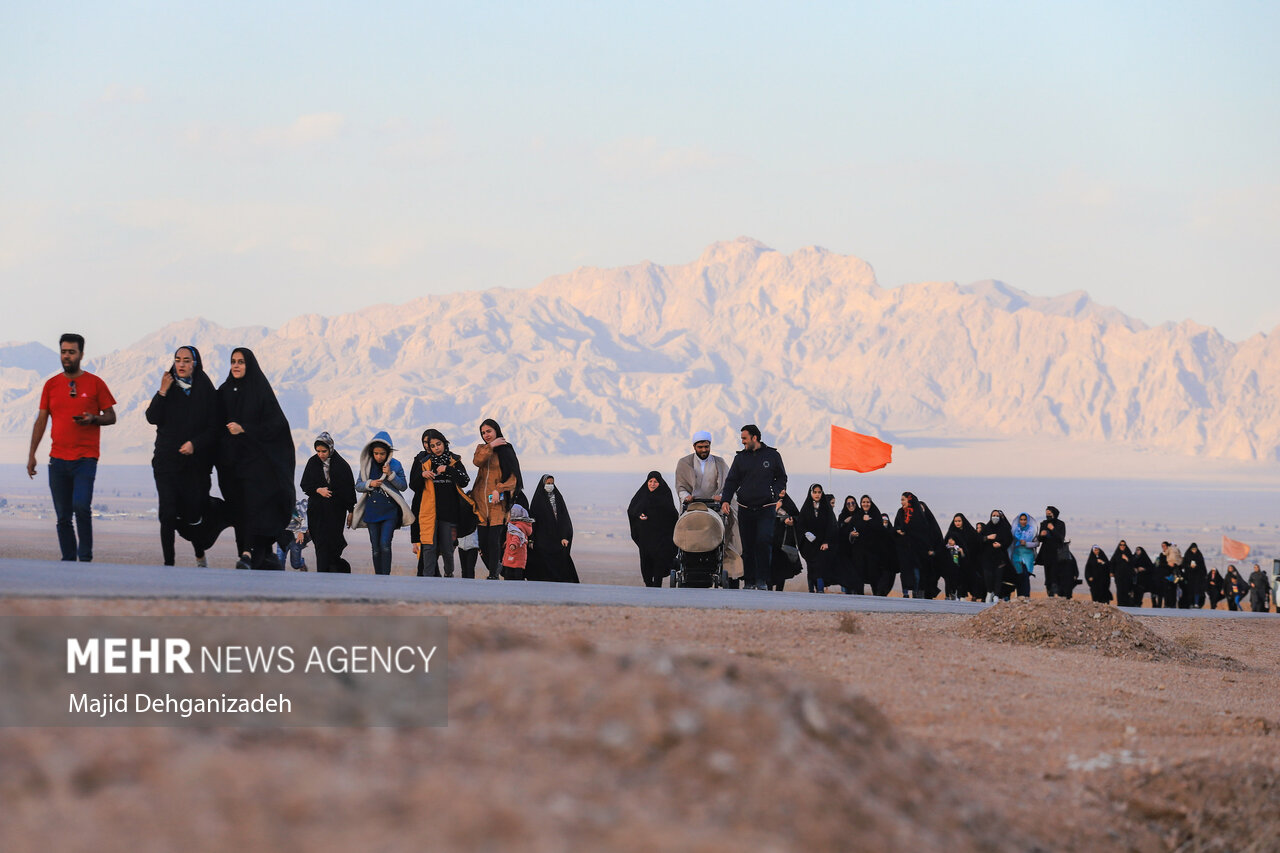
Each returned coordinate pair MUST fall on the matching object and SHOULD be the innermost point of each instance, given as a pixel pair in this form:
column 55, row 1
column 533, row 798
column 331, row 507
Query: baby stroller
column 699, row 539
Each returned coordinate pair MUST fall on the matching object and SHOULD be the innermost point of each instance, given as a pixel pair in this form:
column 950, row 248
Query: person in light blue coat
column 1023, row 553
column 381, row 507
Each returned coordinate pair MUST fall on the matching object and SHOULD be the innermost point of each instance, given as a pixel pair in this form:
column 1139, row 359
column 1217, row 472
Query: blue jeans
column 71, row 483
column 380, row 533
column 755, row 529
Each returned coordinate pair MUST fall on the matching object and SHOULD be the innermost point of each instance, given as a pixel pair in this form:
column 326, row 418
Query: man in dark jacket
column 759, row 480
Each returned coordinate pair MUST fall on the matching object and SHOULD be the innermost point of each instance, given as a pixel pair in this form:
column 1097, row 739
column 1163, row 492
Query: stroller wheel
column 675, row 578
column 722, row 579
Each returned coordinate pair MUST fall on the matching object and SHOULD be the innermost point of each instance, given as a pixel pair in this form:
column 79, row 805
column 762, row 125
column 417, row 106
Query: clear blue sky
column 250, row 162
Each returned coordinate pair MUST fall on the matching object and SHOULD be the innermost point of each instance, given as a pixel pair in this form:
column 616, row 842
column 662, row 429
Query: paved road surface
column 52, row 579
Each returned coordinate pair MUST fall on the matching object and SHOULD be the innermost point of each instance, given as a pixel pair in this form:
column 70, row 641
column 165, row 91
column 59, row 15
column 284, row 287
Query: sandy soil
column 1033, row 726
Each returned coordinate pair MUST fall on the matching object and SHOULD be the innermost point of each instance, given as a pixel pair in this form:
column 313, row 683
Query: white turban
column 701, row 435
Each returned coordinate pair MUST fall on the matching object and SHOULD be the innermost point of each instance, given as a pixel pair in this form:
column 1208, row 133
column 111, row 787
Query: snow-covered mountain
column 625, row 360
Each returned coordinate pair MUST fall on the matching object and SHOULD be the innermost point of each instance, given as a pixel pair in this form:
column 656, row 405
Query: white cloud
column 117, row 93
column 303, row 131
column 645, row 157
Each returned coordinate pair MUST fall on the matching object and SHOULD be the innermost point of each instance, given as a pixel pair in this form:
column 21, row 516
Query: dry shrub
column 847, row 623
column 1190, row 642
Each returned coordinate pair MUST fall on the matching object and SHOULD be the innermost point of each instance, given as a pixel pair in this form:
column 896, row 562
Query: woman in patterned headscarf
column 330, row 487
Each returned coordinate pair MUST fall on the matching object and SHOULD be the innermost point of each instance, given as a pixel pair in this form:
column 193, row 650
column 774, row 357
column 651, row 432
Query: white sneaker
column 202, row 562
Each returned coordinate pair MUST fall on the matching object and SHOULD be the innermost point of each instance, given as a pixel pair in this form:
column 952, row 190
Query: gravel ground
column 1042, row 725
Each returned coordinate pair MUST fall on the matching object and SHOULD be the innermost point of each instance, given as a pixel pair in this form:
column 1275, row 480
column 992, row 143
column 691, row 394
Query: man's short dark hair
column 751, row 430
column 72, row 338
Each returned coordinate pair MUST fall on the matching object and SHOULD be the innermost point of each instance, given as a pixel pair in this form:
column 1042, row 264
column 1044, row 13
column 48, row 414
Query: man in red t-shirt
column 80, row 405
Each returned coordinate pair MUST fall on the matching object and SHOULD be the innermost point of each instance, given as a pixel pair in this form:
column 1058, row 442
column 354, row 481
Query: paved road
column 52, row 579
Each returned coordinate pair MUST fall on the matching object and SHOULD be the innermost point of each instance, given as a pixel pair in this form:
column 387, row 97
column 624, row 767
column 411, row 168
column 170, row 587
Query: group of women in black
column 859, row 548
column 1173, row 579
column 240, row 429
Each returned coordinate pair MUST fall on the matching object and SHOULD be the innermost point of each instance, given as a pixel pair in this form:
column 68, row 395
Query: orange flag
column 852, row 451
column 1233, row 549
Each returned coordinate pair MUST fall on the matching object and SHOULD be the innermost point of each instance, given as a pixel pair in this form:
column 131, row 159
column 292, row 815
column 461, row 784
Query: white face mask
column 548, row 487
column 995, row 519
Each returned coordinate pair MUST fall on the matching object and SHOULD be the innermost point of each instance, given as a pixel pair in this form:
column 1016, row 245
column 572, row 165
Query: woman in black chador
column 1216, row 588
column 1052, row 537
column 1122, row 569
column 330, row 487
column 851, row 579
column 816, row 526
column 1097, row 573
column 652, row 515
column 549, row 557
column 1144, row 578
column 997, row 570
column 783, row 566
column 185, row 414
column 1197, row 577
column 869, row 545
column 255, row 461
column 964, row 549
column 918, row 542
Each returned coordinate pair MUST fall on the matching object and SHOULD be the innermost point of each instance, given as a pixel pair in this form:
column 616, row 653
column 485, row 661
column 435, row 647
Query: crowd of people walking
column 240, row 431
column 859, row 549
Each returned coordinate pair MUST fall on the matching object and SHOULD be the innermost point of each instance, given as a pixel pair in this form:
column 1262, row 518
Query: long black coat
column 919, row 543
column 327, row 517
column 870, row 549
column 255, row 468
column 996, row 565
column 781, row 569
column 1125, row 574
column 183, row 481
column 821, row 522
column 549, row 560
column 654, row 534
column 1097, row 573
column 968, row 563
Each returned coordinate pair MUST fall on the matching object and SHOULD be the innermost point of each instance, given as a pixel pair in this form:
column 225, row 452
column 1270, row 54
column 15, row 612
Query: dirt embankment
column 641, row 729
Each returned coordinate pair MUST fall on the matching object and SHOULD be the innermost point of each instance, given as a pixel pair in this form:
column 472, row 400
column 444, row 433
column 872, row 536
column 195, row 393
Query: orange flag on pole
column 1233, row 549
column 852, row 451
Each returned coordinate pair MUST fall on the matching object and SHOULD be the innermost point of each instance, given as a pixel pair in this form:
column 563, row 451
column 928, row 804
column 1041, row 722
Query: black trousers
column 493, row 540
column 755, row 529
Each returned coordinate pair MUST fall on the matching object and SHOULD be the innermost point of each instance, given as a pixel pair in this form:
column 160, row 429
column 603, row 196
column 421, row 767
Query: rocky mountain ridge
column 621, row 360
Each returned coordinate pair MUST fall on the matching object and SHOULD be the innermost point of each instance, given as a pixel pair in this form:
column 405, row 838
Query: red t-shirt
column 72, row 440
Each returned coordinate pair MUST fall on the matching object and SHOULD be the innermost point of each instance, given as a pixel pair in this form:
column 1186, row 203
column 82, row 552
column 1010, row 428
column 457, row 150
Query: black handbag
column 791, row 553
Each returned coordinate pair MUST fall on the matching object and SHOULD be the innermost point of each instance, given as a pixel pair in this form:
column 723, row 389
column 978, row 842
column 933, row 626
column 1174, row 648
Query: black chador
column 255, row 466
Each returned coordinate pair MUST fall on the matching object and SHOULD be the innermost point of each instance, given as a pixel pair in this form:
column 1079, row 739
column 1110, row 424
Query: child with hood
column 381, row 507
column 515, row 553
